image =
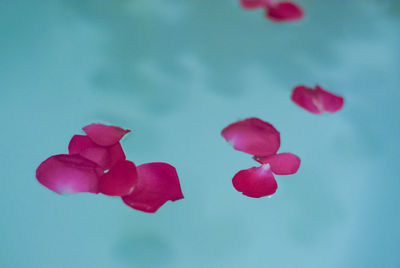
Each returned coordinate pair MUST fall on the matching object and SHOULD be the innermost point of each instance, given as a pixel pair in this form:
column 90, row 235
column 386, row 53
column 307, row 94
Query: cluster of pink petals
column 96, row 164
column 317, row 100
column 260, row 139
column 276, row 11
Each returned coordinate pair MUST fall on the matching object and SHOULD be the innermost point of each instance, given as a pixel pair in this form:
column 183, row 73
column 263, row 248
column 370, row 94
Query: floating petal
column 330, row 102
column 255, row 182
column 157, row 183
column 281, row 164
column 284, row 12
column 253, row 136
column 306, row 98
column 104, row 135
column 316, row 100
column 69, row 174
column 105, row 157
column 253, row 4
column 119, row 180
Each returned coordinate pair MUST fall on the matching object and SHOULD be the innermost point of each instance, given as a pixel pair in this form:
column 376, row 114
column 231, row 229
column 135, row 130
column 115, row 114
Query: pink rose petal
column 255, row 182
column 253, row 4
column 316, row 101
column 68, row 174
column 105, row 157
column 157, row 183
column 253, row 136
column 284, row 11
column 306, row 98
column 281, row 164
column 104, row 135
column 119, row 180
column 330, row 102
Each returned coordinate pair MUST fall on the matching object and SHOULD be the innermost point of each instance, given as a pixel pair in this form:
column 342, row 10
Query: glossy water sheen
column 176, row 72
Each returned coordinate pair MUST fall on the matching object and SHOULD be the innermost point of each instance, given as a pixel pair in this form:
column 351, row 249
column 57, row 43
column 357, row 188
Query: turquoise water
column 176, row 72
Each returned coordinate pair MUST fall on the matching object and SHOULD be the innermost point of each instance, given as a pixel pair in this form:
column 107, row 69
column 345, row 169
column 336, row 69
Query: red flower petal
column 104, row 135
column 68, row 174
column 306, row 98
column 119, row 180
column 281, row 164
column 255, row 182
column 105, row 157
column 253, row 4
column 284, row 11
column 330, row 102
column 253, row 136
column 157, row 183
column 316, row 100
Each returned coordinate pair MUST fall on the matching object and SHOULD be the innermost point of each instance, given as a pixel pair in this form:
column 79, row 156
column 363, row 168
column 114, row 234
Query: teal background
column 176, row 72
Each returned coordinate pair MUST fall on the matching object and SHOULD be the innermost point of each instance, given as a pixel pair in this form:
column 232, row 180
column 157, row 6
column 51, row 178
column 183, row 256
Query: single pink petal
column 255, row 182
column 105, row 157
column 104, row 135
column 306, row 98
column 330, row 102
column 253, row 136
column 281, row 164
column 68, row 174
column 316, row 100
column 157, row 183
column 284, row 11
column 253, row 4
column 119, row 180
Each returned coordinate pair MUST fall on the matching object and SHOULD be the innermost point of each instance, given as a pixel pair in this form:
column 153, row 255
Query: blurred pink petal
column 316, row 100
column 307, row 99
column 104, row 135
column 105, row 157
column 330, row 102
column 68, row 174
column 119, row 180
column 281, row 164
column 253, row 136
column 253, row 4
column 255, row 182
column 284, row 11
column 157, row 183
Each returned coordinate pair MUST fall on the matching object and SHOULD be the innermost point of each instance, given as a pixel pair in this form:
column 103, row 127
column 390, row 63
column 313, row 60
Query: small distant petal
column 306, row 98
column 255, row 182
column 316, row 100
column 157, row 183
column 284, row 11
column 253, row 136
column 330, row 102
column 68, row 174
column 119, row 180
column 253, row 4
column 104, row 135
column 281, row 164
column 105, row 157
